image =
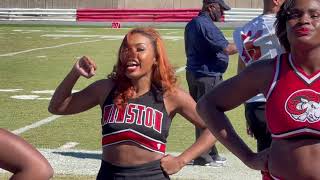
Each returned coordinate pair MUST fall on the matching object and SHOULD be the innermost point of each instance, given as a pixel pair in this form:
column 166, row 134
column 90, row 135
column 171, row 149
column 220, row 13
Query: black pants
column 256, row 119
column 198, row 86
column 148, row 171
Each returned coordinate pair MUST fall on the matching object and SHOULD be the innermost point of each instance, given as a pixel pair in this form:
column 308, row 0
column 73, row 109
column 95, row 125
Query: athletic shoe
column 214, row 164
column 203, row 163
column 219, row 159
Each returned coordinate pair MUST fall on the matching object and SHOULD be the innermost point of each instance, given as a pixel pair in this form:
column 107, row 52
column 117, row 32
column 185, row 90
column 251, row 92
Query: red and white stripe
column 136, row 137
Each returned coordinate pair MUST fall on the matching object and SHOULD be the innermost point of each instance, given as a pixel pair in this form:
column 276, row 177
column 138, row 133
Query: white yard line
column 181, row 69
column 10, row 90
column 84, row 36
column 27, row 30
column 168, row 33
column 49, row 47
column 41, row 56
column 36, row 124
column 25, row 97
column 68, row 145
column 71, row 31
column 43, row 92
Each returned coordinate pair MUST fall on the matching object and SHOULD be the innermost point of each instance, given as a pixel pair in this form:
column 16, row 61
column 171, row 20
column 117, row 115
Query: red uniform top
column 293, row 101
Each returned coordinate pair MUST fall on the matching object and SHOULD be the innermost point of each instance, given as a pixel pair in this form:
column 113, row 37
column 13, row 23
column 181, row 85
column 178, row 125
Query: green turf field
column 34, row 59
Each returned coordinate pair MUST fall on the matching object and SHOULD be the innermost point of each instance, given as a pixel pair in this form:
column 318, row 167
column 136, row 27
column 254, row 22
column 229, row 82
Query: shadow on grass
column 82, row 155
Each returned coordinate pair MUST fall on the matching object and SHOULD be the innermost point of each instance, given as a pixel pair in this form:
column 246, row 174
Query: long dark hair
column 281, row 23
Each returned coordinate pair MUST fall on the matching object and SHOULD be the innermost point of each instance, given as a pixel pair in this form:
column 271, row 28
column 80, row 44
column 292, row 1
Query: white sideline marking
column 29, row 97
column 27, row 30
column 168, row 33
column 71, row 31
column 68, row 145
column 25, row 97
column 50, row 47
column 10, row 90
column 43, row 92
column 38, row 30
column 83, row 36
column 48, row 98
column 41, row 56
column 36, row 124
column 181, row 69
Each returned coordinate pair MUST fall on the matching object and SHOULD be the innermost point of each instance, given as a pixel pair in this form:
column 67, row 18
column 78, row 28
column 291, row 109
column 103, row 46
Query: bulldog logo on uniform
column 304, row 105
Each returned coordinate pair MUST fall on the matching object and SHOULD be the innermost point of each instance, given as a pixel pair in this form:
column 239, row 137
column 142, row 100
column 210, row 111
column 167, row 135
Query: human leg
column 256, row 120
column 255, row 117
column 206, row 85
column 195, row 91
column 192, row 85
column 22, row 159
column 198, row 86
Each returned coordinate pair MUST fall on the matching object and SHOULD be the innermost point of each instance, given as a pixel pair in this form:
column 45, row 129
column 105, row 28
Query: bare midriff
column 128, row 154
column 295, row 159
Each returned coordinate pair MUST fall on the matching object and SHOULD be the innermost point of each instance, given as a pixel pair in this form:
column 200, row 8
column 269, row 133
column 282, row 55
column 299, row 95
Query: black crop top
column 144, row 121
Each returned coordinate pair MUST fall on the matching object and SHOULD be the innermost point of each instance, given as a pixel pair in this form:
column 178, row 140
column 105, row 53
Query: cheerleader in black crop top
column 138, row 102
column 143, row 120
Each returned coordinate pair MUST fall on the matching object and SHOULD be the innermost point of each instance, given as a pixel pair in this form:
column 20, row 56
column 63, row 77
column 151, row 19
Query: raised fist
column 85, row 67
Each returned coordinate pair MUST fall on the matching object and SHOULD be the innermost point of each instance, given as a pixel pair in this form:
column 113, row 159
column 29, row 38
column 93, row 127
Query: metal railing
column 36, row 14
column 241, row 14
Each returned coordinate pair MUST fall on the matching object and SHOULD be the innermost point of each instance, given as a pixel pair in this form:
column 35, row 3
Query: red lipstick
column 302, row 31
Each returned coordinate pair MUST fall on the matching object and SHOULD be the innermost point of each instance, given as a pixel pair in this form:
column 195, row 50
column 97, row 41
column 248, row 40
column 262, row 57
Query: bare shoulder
column 261, row 72
column 265, row 66
column 177, row 97
column 177, row 100
column 103, row 83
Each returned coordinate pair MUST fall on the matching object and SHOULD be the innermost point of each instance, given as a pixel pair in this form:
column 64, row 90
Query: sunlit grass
column 44, row 69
